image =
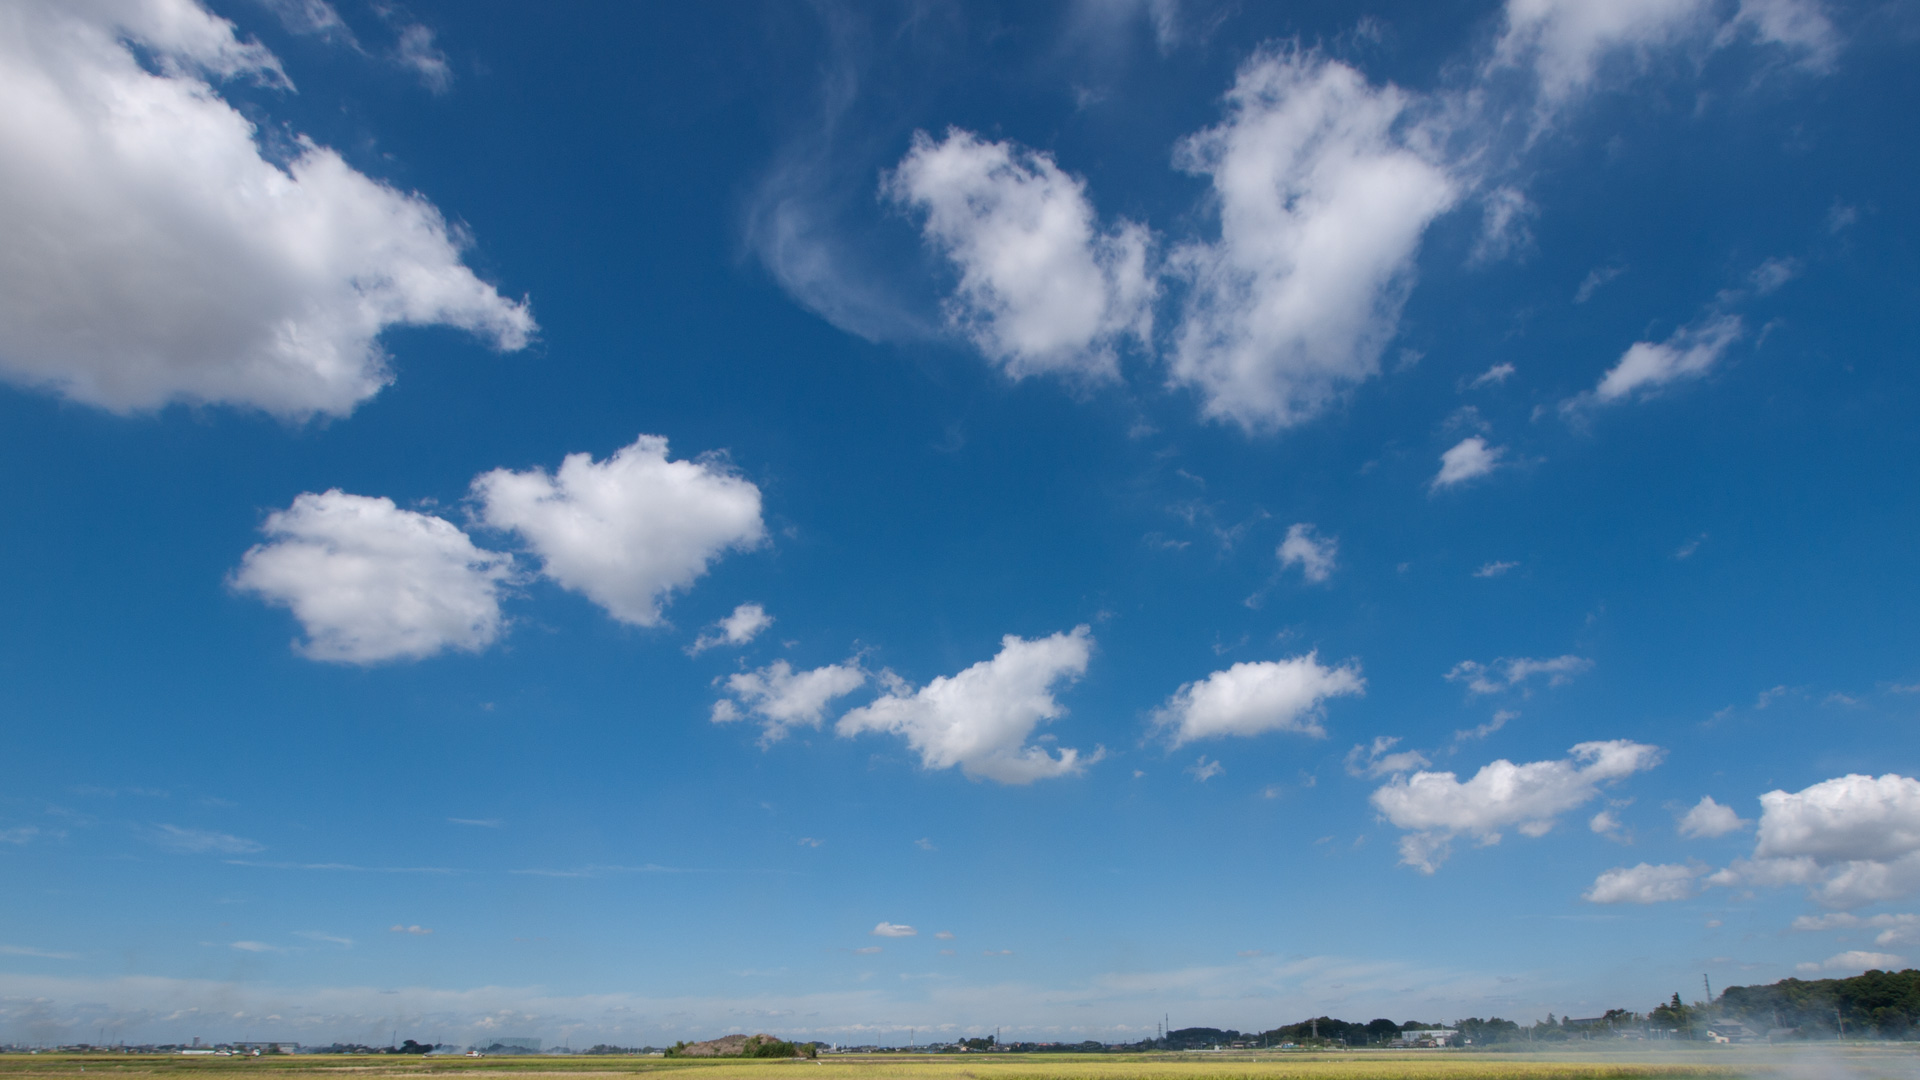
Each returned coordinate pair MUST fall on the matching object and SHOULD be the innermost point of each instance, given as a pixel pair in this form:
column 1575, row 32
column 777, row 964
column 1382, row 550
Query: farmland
column 1877, row 1062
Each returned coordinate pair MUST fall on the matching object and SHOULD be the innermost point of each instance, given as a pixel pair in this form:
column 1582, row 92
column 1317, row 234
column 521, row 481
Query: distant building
column 1732, row 1033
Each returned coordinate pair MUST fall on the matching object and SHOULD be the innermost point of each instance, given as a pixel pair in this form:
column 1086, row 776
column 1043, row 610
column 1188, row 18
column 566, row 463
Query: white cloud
column 980, row 719
column 202, row 841
column 1256, row 697
column 315, row 17
column 256, row 947
column 1204, row 770
column 153, row 255
column 1499, row 721
column 867, row 950
column 945, row 935
column 1596, row 278
column 1494, row 569
column 1434, row 807
column 742, row 626
column 1645, row 884
column 1857, row 960
column 630, row 530
column 1563, row 42
column 1606, row 823
column 369, row 581
column 416, row 52
column 1895, row 929
column 1647, row 366
column 330, row 939
column 1467, row 459
column 1504, row 228
column 887, row 929
column 1854, row 840
column 1042, row 289
column 1493, row 376
column 1323, row 197
column 19, row 834
column 1379, row 759
column 1508, row 672
column 1799, row 25
column 1313, row 554
column 1773, row 273
column 416, row 929
column 783, row 699
column 1709, row 819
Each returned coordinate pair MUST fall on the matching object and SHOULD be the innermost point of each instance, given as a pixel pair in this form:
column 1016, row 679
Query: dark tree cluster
column 1884, row 1004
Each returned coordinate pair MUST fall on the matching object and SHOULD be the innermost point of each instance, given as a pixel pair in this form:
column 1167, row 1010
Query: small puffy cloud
column 1493, row 376
column 416, row 52
column 1494, row 569
column 1504, row 228
column 783, row 699
column 1606, row 823
column 1323, row 195
column 981, row 718
column 811, row 841
column 417, row 930
column 1204, row 770
column 1466, row 460
column 1770, row 275
column 1647, row 366
column 742, row 626
column 371, row 582
column 1857, row 960
column 628, row 531
column 944, row 935
column 1510, row 671
column 1380, row 759
column 154, row 255
column 1645, row 884
column 1043, row 290
column 1709, row 819
column 1257, row 697
column 1854, row 840
column 926, row 843
column 1434, row 807
column 202, row 841
column 887, row 929
column 1481, row 731
column 1312, row 553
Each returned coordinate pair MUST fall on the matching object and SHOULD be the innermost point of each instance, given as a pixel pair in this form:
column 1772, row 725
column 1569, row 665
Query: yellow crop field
column 1885, row 1062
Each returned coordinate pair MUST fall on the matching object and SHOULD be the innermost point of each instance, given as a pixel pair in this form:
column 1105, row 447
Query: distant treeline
column 1884, row 1004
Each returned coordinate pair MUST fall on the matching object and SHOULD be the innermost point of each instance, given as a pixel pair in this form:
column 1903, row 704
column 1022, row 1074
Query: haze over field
column 853, row 520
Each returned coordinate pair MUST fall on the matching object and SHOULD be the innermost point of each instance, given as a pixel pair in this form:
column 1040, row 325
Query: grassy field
column 1884, row 1062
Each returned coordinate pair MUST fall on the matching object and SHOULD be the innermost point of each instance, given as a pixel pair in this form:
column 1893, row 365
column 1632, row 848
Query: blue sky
column 841, row 519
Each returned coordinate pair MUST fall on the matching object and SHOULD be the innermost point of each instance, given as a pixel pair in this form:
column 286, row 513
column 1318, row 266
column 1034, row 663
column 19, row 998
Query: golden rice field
column 1881, row 1062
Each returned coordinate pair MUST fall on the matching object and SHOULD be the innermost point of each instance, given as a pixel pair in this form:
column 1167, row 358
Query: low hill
column 741, row 1046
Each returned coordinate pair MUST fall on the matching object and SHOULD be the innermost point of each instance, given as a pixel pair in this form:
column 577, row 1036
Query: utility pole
column 1704, row 982
column 1842, row 1020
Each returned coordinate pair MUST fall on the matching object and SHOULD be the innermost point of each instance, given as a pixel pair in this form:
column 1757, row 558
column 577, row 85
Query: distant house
column 1730, row 1032
column 1431, row 1037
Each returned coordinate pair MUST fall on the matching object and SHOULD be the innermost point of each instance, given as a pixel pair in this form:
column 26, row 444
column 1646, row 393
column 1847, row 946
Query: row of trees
column 1882, row 1004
